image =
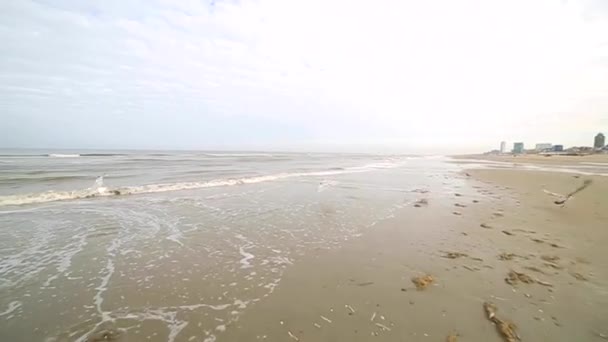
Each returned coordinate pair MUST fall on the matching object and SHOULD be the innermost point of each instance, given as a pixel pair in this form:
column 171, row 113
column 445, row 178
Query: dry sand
column 364, row 291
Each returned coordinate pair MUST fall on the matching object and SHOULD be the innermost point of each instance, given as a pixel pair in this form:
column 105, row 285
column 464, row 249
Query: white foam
column 210, row 338
column 596, row 164
column 246, row 257
column 326, row 184
column 65, row 260
column 59, row 155
column 239, row 154
column 98, row 299
column 12, row 306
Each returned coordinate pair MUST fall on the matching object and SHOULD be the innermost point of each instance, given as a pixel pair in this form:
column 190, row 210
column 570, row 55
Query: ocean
column 176, row 246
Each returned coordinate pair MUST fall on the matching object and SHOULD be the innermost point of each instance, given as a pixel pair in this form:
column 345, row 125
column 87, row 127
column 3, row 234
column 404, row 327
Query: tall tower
column 518, row 148
column 599, row 141
column 503, row 147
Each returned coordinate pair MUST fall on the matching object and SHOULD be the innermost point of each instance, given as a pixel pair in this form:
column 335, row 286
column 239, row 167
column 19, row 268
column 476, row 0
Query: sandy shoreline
column 363, row 290
column 539, row 159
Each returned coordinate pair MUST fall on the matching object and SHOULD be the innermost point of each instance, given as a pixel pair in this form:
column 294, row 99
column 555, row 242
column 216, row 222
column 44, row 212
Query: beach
column 309, row 248
column 551, row 159
column 561, row 248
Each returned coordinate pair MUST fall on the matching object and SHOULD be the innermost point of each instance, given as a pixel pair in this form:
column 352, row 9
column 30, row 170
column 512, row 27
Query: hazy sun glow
column 426, row 76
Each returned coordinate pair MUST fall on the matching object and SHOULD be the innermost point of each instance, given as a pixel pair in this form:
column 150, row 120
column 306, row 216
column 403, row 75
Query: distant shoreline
column 538, row 158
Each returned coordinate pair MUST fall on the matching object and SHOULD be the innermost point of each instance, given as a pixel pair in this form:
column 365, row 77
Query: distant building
column 543, row 147
column 503, row 147
column 599, row 141
column 558, row 148
column 518, row 147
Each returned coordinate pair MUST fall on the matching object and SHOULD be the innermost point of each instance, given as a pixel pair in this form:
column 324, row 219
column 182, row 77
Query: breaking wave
column 100, row 190
column 59, row 155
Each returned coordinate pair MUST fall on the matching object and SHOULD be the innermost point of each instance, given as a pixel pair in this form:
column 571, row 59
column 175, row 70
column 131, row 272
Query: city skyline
column 536, row 144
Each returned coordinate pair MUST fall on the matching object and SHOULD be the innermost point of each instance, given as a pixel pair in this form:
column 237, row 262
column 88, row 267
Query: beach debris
column 506, row 256
column 421, row 203
column 325, row 319
column 350, row 308
column 505, row 328
column 553, row 265
column 485, row 225
column 373, row 316
column 104, row 335
column 498, row 298
column 458, row 195
column 562, row 199
column 366, row 283
column 535, row 269
column 513, row 278
column 294, row 337
column 317, row 325
column 383, row 327
column 454, row 255
column 457, row 213
column 550, row 258
column 579, row 276
column 556, row 322
column 420, row 191
column 506, row 232
column 523, row 231
column 460, row 205
column 475, row 201
column 543, row 283
column 423, row 282
column 497, row 214
column 556, row 245
column 601, row 335
column 470, row 268
column 452, row 338
column 538, row 240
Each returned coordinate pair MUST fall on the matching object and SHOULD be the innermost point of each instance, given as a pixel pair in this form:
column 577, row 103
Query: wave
column 59, row 155
column 76, row 155
column 596, row 164
column 34, row 179
column 100, row 190
column 238, row 154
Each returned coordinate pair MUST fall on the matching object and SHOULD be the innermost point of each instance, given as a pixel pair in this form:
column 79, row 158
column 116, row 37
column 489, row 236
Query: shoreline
column 537, row 158
column 497, row 221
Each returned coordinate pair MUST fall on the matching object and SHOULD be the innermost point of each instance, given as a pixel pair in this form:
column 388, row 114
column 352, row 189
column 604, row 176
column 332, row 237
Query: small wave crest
column 60, row 155
column 76, row 155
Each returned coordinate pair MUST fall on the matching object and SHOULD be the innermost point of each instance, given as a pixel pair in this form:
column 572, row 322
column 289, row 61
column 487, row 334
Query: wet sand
column 363, row 290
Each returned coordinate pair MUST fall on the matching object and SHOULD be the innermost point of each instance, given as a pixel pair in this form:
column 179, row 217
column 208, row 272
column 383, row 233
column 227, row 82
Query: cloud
column 191, row 74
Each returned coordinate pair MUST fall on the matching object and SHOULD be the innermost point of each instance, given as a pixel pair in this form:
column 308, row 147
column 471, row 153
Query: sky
column 437, row 76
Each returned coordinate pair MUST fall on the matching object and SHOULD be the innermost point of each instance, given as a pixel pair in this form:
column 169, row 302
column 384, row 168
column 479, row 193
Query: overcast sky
column 412, row 76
